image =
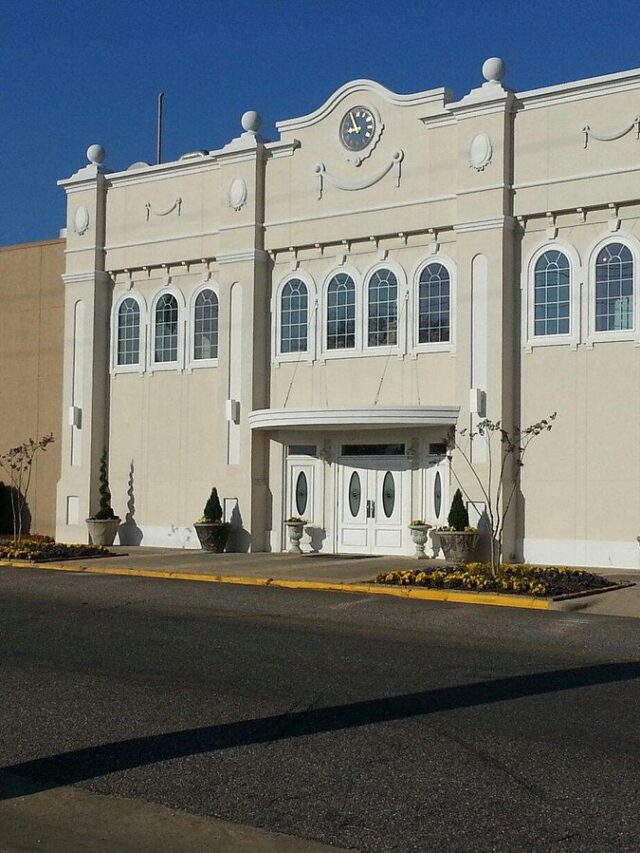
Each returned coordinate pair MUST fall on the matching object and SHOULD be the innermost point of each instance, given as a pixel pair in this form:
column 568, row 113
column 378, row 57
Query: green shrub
column 213, row 509
column 105, row 513
column 458, row 518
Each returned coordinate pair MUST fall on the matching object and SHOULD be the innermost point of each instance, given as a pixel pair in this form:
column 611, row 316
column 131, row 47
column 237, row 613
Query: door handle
column 371, row 509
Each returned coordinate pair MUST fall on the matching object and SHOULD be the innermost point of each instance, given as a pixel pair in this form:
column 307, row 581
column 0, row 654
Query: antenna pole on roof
column 159, row 129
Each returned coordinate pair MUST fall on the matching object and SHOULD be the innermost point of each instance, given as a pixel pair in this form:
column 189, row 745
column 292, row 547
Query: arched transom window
column 383, row 309
column 614, row 288
column 166, row 329
column 128, row 332
column 552, row 297
column 434, row 304
column 341, row 312
column 205, row 325
column 294, row 303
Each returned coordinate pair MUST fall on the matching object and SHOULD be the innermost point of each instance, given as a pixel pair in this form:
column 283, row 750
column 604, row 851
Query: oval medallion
column 81, row 220
column 480, row 151
column 237, row 193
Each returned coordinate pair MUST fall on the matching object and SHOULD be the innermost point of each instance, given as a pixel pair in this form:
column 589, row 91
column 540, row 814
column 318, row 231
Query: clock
column 357, row 128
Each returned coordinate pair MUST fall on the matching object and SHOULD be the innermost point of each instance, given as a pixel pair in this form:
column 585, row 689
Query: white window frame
column 572, row 338
column 434, row 346
column 140, row 367
column 192, row 362
column 356, row 350
column 312, row 314
column 179, row 363
column 632, row 334
column 403, row 311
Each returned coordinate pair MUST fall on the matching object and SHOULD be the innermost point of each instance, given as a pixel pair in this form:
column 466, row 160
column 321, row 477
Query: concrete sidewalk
column 331, row 568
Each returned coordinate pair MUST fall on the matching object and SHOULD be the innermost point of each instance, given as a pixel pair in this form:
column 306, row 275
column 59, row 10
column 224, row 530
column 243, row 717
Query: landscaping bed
column 512, row 579
column 43, row 548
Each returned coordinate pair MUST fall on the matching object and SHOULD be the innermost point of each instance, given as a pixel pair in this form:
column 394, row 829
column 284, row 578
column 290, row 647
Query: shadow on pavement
column 68, row 768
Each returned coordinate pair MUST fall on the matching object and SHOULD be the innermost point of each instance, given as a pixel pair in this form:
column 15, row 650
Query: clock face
column 357, row 128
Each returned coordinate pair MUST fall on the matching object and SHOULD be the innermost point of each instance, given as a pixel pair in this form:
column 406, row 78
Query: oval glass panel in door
column 301, row 493
column 388, row 494
column 437, row 494
column 355, row 493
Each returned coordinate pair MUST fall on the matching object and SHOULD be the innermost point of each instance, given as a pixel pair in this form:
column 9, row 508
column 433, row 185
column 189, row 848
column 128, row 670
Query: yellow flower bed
column 41, row 548
column 519, row 579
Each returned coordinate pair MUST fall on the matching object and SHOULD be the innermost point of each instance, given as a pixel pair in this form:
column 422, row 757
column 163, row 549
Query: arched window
column 614, row 288
column 128, row 332
column 205, row 325
column 383, row 309
column 434, row 323
column 166, row 329
column 552, row 296
column 294, row 303
column 341, row 312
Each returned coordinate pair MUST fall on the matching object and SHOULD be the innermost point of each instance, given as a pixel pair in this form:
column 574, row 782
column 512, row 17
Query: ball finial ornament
column 493, row 69
column 96, row 154
column 251, row 121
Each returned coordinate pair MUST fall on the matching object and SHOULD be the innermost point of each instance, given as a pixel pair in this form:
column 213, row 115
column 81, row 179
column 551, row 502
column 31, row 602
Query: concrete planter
column 213, row 535
column 295, row 529
column 458, row 546
column 102, row 531
column 419, row 537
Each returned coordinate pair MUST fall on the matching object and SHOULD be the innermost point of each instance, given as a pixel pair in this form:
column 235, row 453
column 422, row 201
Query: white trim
column 157, row 366
column 323, row 352
column 588, row 553
column 309, row 354
column 506, row 222
column 529, row 339
column 430, row 96
column 140, row 366
column 582, row 176
column 373, row 417
column 255, row 255
column 199, row 363
column 633, row 334
column 402, row 309
column 413, row 346
column 577, row 90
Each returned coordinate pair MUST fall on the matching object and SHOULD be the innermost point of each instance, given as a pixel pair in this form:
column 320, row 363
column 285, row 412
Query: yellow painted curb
column 457, row 596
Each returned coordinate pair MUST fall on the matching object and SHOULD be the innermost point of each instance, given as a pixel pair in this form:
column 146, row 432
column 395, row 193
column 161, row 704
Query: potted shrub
column 212, row 531
column 419, row 535
column 295, row 529
column 103, row 525
column 458, row 541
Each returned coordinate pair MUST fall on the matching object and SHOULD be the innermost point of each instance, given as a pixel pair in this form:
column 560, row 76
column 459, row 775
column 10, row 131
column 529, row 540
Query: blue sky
column 73, row 73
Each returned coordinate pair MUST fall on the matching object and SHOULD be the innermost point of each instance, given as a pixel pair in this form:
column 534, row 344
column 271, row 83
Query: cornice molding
column 506, row 222
column 578, row 90
column 371, row 416
column 254, row 255
column 87, row 277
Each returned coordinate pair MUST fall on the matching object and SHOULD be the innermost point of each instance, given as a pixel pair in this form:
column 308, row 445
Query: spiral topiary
column 105, row 513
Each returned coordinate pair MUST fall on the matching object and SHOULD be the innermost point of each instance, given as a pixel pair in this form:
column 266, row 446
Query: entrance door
column 371, row 506
column 436, row 498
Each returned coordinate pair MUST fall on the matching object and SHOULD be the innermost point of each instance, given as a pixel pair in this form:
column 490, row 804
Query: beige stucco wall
column 31, row 319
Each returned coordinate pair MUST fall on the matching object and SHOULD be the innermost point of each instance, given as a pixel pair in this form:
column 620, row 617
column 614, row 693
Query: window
column 128, row 332
column 614, row 288
column 341, row 312
column 383, row 309
column 166, row 329
column 434, row 304
column 294, row 316
column 552, row 298
column 205, row 326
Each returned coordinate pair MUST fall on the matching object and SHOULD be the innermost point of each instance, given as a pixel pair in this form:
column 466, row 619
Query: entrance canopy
column 371, row 417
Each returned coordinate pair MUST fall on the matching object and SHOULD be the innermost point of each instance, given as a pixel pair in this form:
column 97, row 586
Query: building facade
column 301, row 322
column 31, row 363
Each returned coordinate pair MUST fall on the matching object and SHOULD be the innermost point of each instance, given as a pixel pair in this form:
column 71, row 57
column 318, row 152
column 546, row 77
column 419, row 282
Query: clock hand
column 355, row 127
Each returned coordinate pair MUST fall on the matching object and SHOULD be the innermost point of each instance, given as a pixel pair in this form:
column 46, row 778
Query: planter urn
column 102, row 531
column 213, row 535
column 458, row 545
column 419, row 537
column 295, row 530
